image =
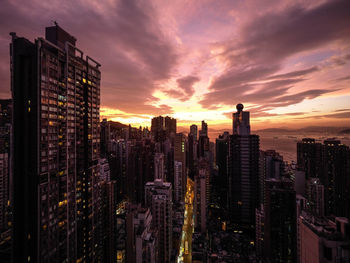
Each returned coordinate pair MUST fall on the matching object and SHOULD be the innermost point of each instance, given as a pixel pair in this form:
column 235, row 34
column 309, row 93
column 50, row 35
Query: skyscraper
column 178, row 183
column 180, row 156
column 159, row 166
column 201, row 195
column 56, row 102
column 243, row 172
column 158, row 196
column 280, row 243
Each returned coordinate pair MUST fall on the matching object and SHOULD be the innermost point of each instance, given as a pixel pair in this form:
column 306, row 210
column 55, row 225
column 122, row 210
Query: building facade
column 56, row 102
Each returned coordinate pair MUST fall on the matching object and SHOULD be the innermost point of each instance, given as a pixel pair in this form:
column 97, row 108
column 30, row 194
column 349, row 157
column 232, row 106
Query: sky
column 287, row 61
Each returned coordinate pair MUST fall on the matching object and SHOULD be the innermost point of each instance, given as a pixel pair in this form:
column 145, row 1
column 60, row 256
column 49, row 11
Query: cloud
column 124, row 36
column 263, row 46
column 185, row 88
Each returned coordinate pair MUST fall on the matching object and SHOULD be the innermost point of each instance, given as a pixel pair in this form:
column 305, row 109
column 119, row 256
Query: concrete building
column 178, row 183
column 159, row 166
column 56, row 148
column 201, row 196
column 180, row 156
column 158, row 197
column 4, row 190
column 243, row 172
column 323, row 240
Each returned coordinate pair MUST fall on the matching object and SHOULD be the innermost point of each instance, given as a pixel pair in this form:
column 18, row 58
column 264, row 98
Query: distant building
column 194, row 131
column 243, row 172
column 163, row 127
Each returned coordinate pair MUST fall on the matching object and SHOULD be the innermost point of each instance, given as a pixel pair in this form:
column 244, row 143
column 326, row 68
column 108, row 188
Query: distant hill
column 117, row 125
column 274, row 130
column 346, row 131
column 309, row 129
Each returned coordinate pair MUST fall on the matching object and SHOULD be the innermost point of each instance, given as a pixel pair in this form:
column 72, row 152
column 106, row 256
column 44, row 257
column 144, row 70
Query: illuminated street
column 185, row 254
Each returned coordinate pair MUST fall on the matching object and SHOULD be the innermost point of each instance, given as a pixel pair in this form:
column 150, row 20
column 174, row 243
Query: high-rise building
column 159, row 166
column 324, row 240
column 243, row 172
column 56, row 102
column 4, row 190
column 315, row 197
column 280, row 243
column 180, row 156
column 192, row 150
column 105, row 137
column 110, row 220
column 240, row 121
column 271, row 166
column 330, row 163
column 335, row 178
column 178, row 183
column 204, row 130
column 163, row 127
column 309, row 157
column 203, row 140
column 145, row 237
column 201, row 195
column 158, row 196
column 194, row 131
column 220, row 182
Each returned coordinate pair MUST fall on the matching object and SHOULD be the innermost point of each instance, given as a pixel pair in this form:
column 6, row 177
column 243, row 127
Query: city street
column 185, row 254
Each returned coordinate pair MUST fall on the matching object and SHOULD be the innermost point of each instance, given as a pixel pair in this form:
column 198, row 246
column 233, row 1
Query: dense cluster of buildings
column 74, row 189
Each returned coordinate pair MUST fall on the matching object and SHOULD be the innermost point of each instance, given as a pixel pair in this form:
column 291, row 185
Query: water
column 286, row 145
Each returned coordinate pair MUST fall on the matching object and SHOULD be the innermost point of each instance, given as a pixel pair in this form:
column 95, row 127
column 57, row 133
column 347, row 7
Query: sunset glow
column 288, row 62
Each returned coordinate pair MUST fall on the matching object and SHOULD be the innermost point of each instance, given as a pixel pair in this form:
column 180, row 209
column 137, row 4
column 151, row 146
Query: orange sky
column 287, row 61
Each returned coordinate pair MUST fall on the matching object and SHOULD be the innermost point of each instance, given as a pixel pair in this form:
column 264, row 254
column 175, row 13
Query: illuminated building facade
column 56, row 194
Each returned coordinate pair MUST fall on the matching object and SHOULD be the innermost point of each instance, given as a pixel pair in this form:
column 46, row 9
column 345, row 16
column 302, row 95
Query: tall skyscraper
column 315, row 197
column 309, row 157
column 280, row 243
column 203, row 140
column 178, row 183
column 243, row 172
column 4, row 190
column 271, row 166
column 201, row 195
column 194, row 131
column 240, row 121
column 163, row 127
column 220, row 182
column 56, row 102
column 330, row 163
column 159, row 166
column 192, row 150
column 204, row 129
column 180, row 156
column 158, row 196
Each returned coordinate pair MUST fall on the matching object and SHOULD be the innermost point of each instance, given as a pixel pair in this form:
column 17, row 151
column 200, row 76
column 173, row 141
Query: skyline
column 190, row 59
